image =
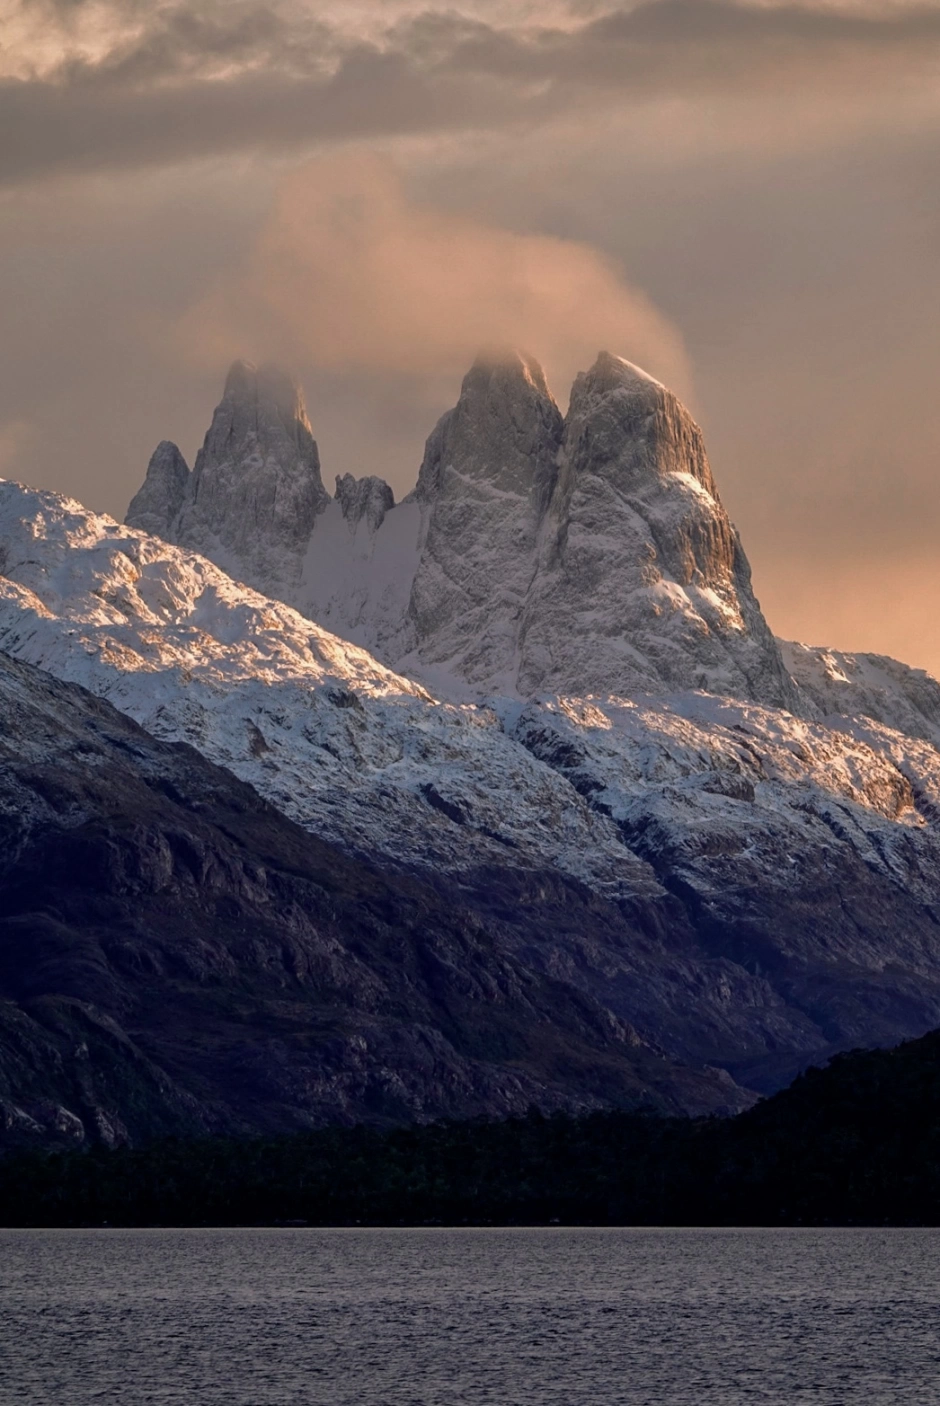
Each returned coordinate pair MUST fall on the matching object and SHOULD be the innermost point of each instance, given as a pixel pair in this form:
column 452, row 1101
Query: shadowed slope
column 176, row 956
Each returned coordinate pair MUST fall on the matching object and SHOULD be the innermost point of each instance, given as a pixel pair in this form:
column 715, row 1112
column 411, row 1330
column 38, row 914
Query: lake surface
column 438, row 1317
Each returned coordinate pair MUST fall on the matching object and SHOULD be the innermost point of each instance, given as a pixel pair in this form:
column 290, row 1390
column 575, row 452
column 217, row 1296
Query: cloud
column 15, row 439
column 135, row 85
column 349, row 276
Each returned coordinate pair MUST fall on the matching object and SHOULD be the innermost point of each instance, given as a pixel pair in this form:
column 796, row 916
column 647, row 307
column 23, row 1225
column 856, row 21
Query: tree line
column 855, row 1143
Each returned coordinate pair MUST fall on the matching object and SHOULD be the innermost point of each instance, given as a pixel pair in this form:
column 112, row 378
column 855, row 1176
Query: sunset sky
column 742, row 197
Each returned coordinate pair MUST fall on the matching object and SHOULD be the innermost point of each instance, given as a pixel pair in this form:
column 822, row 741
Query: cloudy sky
column 743, row 197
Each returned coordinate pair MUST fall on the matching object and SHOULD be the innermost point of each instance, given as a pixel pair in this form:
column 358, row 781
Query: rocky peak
column 157, row 503
column 622, row 421
column 504, row 430
column 256, row 490
column 538, row 554
column 630, row 440
column 266, row 402
column 612, row 374
column 641, row 582
column 488, row 471
column 367, row 498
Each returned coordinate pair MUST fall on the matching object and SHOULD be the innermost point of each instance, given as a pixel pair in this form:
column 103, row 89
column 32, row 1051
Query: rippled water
column 555, row 1317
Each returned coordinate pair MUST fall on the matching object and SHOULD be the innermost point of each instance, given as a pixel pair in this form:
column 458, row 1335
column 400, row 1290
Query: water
column 556, row 1317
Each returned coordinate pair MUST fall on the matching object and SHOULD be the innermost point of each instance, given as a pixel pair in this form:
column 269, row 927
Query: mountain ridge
column 745, row 888
column 692, row 842
column 178, row 957
column 537, row 552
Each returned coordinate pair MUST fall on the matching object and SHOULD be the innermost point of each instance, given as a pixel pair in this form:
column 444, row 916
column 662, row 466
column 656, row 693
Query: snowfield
column 365, row 756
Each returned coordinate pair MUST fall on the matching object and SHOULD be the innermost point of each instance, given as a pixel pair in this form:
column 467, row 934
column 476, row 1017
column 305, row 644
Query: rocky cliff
column 641, row 582
column 538, row 553
column 253, row 497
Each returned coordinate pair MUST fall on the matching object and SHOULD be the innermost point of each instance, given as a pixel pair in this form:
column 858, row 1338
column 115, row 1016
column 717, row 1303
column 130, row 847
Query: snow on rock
column 359, row 565
column 361, row 754
column 536, row 554
column 706, row 776
column 337, row 741
column 641, row 581
column 255, row 492
column 488, row 473
column 780, row 873
column 867, row 685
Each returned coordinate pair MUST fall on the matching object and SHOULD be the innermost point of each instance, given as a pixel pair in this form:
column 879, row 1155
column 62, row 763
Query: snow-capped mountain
column 744, row 887
column 336, row 740
column 176, row 956
column 254, row 495
column 537, row 553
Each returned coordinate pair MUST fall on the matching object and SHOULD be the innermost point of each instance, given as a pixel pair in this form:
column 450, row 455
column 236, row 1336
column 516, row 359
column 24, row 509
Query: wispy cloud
column 349, row 275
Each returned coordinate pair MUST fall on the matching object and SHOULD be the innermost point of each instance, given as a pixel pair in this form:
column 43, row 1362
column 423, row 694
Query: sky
column 740, row 195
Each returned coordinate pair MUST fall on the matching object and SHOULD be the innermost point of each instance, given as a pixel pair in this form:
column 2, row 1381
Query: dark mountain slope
column 177, row 956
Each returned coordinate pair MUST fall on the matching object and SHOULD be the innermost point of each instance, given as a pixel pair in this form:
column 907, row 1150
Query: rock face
column 742, row 888
column 641, row 582
column 156, row 506
column 255, row 492
column 487, row 478
column 537, row 553
column 363, row 499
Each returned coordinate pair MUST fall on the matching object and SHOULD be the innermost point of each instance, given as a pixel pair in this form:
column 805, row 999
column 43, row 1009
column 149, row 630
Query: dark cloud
column 217, row 79
column 194, row 44
column 94, row 121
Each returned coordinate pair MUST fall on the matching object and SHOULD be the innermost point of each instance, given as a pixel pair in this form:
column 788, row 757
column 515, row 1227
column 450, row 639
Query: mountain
column 854, row 1144
column 744, row 888
column 640, row 582
column 538, row 553
column 253, row 497
column 176, row 956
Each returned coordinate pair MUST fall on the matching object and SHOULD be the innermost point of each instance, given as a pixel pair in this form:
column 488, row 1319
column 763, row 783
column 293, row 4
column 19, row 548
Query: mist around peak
column 349, row 274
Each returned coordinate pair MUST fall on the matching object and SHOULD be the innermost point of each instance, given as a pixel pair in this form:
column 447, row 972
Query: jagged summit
column 368, row 498
column 636, row 421
column 641, row 583
column 253, row 497
column 508, row 365
column 611, row 373
column 261, row 416
column 488, row 471
column 156, row 505
column 588, row 553
column 504, row 429
column 270, row 392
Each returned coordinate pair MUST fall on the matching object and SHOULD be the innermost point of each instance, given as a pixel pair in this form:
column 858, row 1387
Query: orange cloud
column 348, row 274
